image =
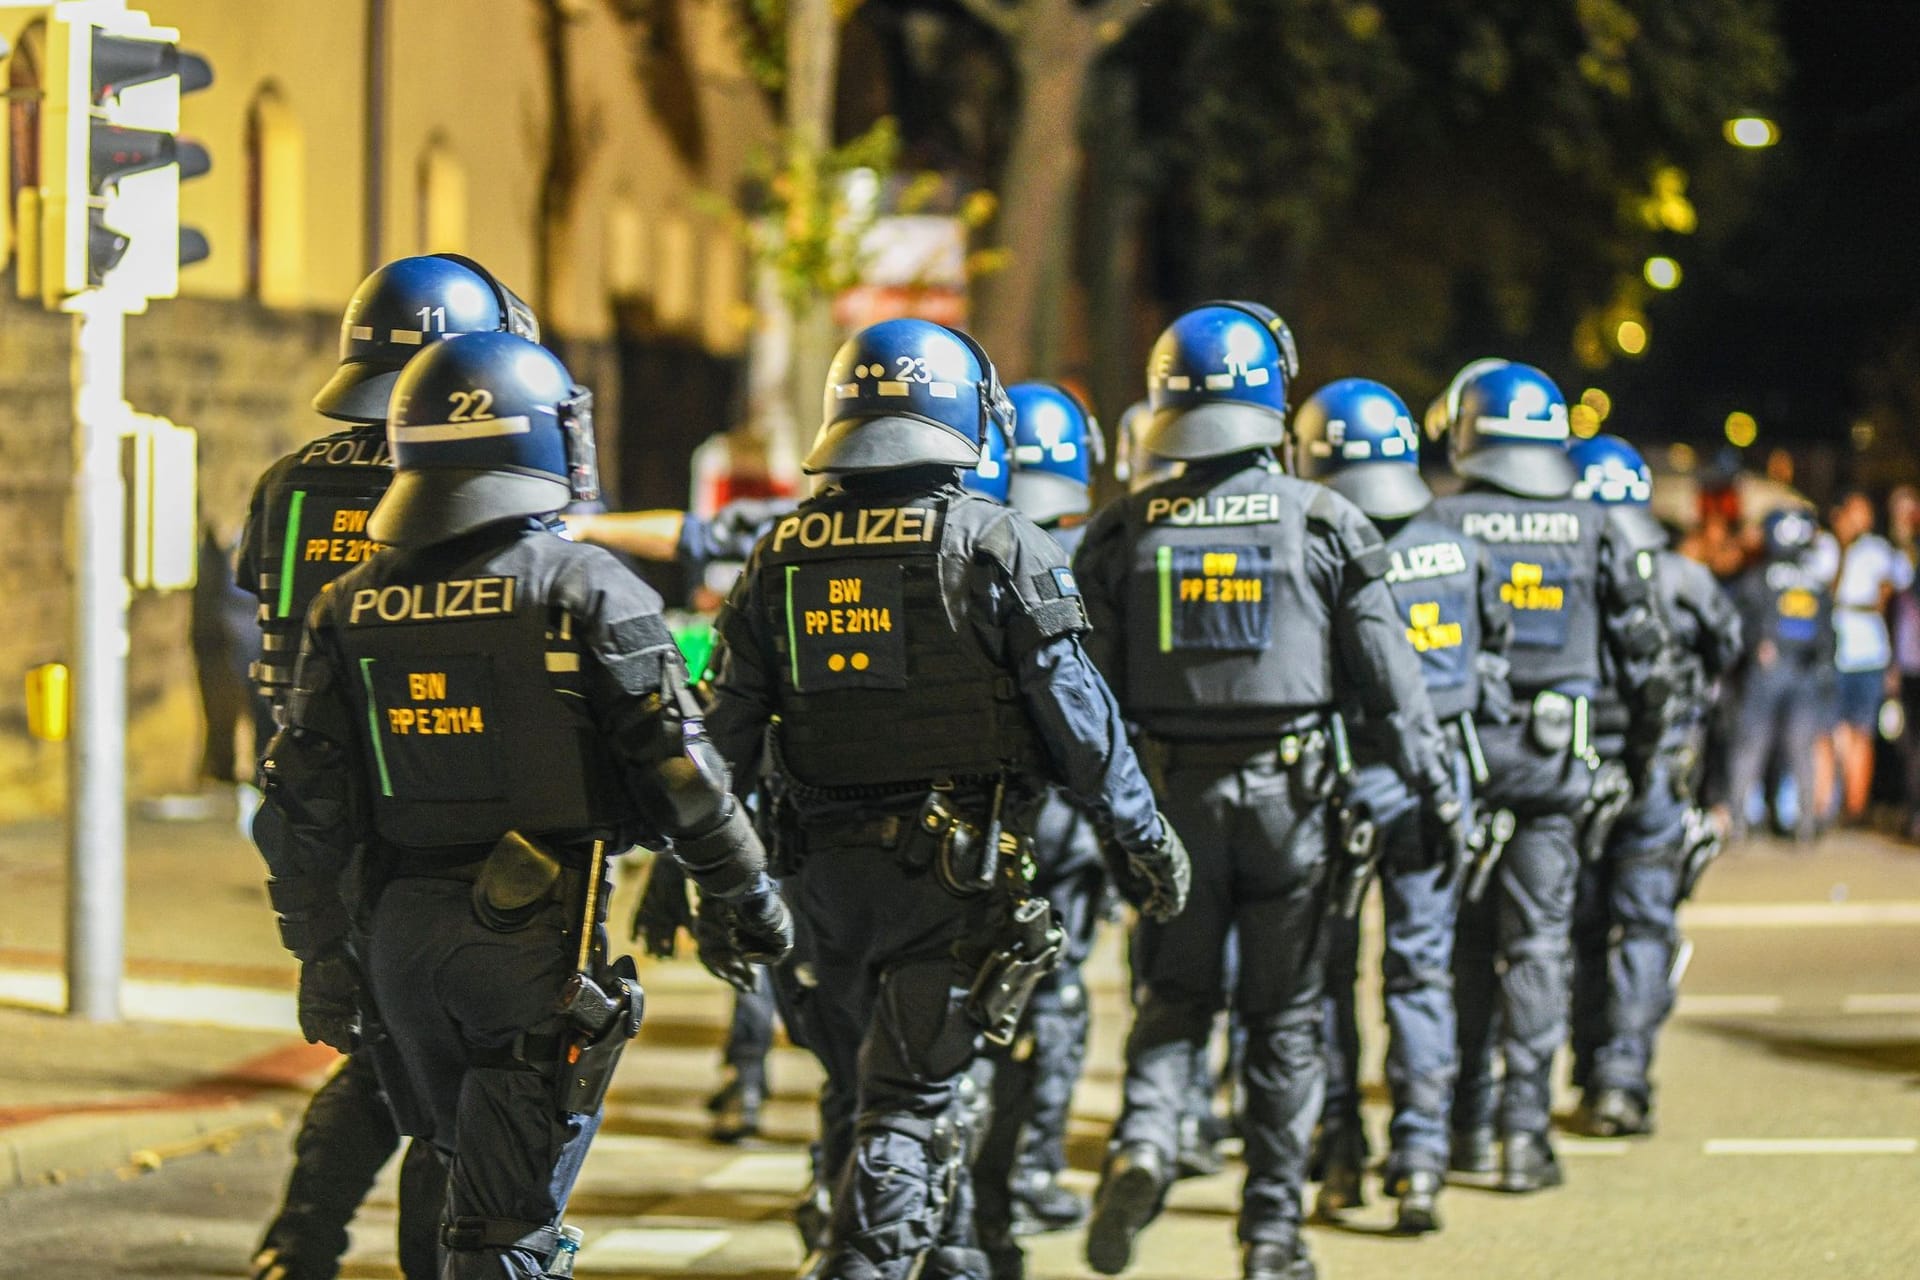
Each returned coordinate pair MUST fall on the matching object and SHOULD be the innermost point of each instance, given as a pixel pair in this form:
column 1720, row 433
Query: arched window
column 276, row 201
column 23, row 128
column 725, row 300
column 626, row 251
column 443, row 198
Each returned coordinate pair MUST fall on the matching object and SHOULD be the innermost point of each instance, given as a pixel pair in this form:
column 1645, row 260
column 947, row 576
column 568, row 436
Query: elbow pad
column 725, row 860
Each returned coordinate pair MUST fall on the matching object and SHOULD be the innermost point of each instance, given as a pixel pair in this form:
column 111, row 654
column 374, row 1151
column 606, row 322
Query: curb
column 62, row 1148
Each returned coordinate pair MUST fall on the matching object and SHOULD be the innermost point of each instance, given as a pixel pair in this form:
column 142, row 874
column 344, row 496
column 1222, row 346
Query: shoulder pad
column 1047, row 591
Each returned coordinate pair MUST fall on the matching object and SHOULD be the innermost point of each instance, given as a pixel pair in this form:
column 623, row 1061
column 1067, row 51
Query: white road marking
column 1798, row 915
column 774, row 1171
column 1811, row 1146
column 1882, row 1002
column 1570, row 1145
column 649, row 1248
column 192, row 1003
column 1707, row 1006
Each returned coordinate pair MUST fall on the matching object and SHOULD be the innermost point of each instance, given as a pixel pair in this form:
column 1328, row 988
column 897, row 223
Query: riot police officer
column 921, row 649
column 475, row 887
column 307, row 524
column 1234, row 608
column 1576, row 590
column 1056, row 445
column 1357, row 437
column 1624, row 933
column 1787, row 611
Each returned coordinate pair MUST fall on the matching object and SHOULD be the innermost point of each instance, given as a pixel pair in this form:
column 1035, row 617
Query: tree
column 1054, row 44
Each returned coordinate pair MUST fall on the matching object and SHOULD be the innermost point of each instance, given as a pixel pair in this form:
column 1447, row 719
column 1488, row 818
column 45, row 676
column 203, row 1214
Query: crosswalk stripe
column 1811, row 1146
column 1712, row 1005
column 650, row 1248
column 1798, row 915
column 1882, row 1002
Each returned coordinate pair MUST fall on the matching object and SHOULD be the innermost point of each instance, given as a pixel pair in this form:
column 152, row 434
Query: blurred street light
column 1742, row 430
column 1597, row 400
column 1631, row 337
column 1682, row 458
column 1751, row 132
column 1583, row 421
column 1661, row 273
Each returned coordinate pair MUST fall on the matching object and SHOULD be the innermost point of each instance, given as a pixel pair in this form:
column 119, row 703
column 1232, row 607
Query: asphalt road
column 1789, row 1142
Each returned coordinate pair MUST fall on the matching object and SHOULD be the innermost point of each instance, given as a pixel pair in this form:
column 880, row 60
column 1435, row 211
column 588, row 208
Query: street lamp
column 1661, row 273
column 1751, row 132
column 1631, row 337
column 1742, row 430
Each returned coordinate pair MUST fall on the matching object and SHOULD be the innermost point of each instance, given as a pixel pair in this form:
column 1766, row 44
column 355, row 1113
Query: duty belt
column 1286, row 751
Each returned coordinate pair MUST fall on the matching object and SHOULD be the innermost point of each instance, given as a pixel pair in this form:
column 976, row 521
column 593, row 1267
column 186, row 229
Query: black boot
column 1527, row 1163
column 1269, row 1260
column 1040, row 1204
column 1418, row 1191
column 1131, row 1188
column 1341, row 1160
column 1472, row 1151
column 736, row 1110
column 1614, row 1113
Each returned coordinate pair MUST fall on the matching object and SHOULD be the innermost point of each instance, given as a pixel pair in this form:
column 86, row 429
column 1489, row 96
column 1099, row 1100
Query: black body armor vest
column 466, row 676
column 1223, row 616
column 1434, row 575
column 1799, row 612
column 313, row 528
column 883, row 684
column 1546, row 554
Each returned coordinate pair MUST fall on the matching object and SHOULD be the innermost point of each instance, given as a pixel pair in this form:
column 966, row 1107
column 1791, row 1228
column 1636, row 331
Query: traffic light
column 111, row 157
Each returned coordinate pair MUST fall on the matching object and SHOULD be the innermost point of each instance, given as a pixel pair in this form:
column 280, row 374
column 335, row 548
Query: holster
column 1700, row 843
column 1611, row 793
column 1027, row 951
column 1359, row 857
column 1489, row 841
column 965, row 858
column 515, row 882
column 599, row 1023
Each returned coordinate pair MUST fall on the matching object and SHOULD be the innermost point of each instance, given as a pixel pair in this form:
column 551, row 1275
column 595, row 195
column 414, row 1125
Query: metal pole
column 97, row 759
column 376, row 131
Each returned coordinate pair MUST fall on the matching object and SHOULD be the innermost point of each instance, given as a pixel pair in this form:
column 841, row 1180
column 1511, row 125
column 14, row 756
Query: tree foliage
column 1407, row 179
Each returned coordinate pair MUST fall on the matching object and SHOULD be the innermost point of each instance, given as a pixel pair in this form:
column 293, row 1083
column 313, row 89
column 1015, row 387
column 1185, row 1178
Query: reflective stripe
column 373, row 727
column 288, row 551
column 1163, row 563
column 481, row 429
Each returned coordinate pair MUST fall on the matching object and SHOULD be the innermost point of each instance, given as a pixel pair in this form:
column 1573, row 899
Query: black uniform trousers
column 346, row 1137
column 894, row 954
column 1512, row 949
column 456, row 996
column 1256, row 832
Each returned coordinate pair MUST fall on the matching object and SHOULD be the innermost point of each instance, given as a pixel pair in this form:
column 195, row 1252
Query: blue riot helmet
column 1788, row 533
column 1446, row 405
column 1612, row 473
column 1134, row 465
column 1356, row 436
column 404, row 307
column 908, row 393
column 1509, row 428
column 1217, row 382
column 991, row 476
column 1056, row 445
column 484, row 427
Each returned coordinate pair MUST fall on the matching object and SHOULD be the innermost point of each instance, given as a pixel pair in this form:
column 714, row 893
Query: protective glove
column 713, row 940
column 662, row 911
column 329, row 1012
column 1446, row 833
column 1155, row 879
column 761, row 926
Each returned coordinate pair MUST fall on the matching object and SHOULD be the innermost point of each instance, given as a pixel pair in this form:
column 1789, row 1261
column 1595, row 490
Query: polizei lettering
column 361, row 449
column 433, row 601
column 1522, row 526
column 1226, row 508
column 865, row 528
column 1434, row 560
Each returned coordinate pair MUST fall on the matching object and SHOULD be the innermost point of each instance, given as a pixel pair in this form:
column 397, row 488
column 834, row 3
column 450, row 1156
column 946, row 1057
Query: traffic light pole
column 97, row 760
